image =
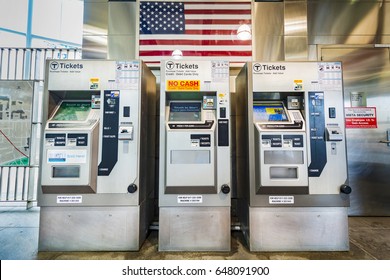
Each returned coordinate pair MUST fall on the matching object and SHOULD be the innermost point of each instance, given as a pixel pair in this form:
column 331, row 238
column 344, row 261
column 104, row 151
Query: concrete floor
column 369, row 240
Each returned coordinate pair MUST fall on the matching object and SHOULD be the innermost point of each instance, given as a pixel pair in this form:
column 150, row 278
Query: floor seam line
column 357, row 244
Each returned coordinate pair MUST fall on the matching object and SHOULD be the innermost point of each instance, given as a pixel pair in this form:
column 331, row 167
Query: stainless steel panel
column 267, row 31
column 298, row 229
column 122, row 47
column 122, row 18
column 35, row 148
column 95, row 30
column 347, row 22
column 194, row 229
column 89, row 228
column 95, row 18
column 295, row 18
column 296, row 48
column 32, row 181
column 95, row 47
column 295, row 30
column 341, row 39
column 367, row 70
column 313, row 200
column 268, row 48
column 122, row 30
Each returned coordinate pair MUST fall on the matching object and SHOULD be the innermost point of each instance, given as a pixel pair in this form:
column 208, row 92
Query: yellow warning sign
column 298, row 85
column 93, row 83
column 183, row 85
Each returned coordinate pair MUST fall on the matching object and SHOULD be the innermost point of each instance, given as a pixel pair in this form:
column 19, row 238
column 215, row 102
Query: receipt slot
column 291, row 156
column 194, row 179
column 98, row 155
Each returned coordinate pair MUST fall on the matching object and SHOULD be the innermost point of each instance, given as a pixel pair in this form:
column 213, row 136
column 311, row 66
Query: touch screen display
column 269, row 112
column 73, row 111
column 185, row 111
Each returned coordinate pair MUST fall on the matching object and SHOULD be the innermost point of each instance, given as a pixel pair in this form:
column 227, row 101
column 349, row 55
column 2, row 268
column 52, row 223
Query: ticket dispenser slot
column 126, row 133
column 190, row 148
column 334, row 133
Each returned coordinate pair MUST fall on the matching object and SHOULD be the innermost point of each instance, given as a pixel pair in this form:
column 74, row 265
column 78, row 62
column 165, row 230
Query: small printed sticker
column 298, row 85
column 281, row 199
column 189, row 199
column 67, row 156
column 94, row 83
column 69, row 199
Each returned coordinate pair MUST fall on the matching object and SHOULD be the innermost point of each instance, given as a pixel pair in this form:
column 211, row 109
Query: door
column 366, row 75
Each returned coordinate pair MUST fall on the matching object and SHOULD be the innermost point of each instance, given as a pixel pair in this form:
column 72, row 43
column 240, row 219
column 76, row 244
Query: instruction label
column 189, row 199
column 281, row 199
column 69, row 199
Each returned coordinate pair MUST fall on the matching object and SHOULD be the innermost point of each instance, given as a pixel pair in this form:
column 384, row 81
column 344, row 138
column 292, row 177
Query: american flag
column 201, row 30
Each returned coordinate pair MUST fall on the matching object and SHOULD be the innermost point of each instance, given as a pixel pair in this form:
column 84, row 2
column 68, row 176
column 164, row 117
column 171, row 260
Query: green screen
column 73, row 111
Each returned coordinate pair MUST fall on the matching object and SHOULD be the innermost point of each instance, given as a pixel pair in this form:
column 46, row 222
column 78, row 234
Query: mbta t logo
column 54, row 65
column 257, row 67
column 170, row 65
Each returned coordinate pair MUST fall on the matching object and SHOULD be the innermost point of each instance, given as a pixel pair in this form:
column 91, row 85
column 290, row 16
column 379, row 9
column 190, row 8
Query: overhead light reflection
column 244, row 32
column 177, row 54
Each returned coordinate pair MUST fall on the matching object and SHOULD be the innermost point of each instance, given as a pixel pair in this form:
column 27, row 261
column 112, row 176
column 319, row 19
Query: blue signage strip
column 110, row 132
column 317, row 133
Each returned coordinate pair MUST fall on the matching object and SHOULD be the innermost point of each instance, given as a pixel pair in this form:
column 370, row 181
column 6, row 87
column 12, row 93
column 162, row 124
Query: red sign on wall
column 360, row 117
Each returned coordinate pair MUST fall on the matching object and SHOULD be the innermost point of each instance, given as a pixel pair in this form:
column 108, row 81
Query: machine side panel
column 299, row 229
column 194, row 229
column 89, row 228
column 147, row 140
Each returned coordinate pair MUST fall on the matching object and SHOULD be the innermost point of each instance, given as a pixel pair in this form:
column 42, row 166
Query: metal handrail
column 28, row 63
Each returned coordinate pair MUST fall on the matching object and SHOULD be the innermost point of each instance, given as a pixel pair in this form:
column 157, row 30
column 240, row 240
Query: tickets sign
column 360, row 117
column 188, row 85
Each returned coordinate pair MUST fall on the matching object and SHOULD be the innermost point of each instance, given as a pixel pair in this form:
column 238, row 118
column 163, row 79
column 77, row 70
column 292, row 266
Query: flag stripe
column 213, row 26
column 217, row 12
column 198, row 48
column 217, row 16
column 202, row 21
column 195, row 42
column 211, row 32
column 197, row 53
column 217, row 6
column 204, row 37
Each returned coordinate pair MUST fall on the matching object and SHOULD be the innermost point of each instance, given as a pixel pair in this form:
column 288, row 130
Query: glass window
column 13, row 15
column 64, row 22
column 54, row 23
column 8, row 39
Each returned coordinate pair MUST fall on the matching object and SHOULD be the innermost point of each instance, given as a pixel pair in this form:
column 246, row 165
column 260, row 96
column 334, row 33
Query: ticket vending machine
column 291, row 156
column 194, row 179
column 98, row 156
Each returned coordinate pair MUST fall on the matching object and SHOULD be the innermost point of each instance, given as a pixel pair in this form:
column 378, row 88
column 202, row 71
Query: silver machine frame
column 194, row 160
column 303, row 206
column 109, row 207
